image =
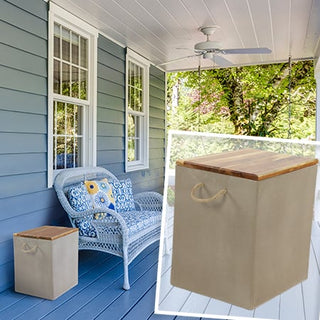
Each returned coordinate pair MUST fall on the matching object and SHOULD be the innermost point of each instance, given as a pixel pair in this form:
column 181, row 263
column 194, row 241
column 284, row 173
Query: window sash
column 68, row 135
column 137, row 100
column 77, row 29
column 70, row 71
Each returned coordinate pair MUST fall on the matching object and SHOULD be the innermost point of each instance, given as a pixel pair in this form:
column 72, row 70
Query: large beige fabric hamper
column 46, row 261
column 242, row 224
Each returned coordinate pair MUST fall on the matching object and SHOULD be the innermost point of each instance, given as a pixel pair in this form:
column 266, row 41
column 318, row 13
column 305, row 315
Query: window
column 137, row 122
column 72, row 92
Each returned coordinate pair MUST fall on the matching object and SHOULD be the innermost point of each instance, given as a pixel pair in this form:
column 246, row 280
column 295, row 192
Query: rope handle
column 26, row 248
column 214, row 197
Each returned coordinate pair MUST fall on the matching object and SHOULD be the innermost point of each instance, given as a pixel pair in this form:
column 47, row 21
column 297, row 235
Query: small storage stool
column 242, row 224
column 46, row 261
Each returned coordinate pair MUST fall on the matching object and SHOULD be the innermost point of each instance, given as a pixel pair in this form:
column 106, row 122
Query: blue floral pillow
column 122, row 192
column 86, row 229
column 79, row 198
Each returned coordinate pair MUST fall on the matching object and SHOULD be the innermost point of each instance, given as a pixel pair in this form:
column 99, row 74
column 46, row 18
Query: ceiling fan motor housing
column 208, row 46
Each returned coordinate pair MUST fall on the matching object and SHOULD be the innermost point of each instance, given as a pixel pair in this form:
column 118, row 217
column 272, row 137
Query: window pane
column 77, row 122
column 57, row 37
column 131, row 75
column 70, row 152
column 77, row 154
column 139, row 80
column 75, row 48
column 140, row 100
column 75, row 82
column 83, row 52
column 131, row 126
column 65, row 79
column 131, row 149
column 56, row 76
column 83, row 84
column 136, row 79
column 60, row 153
column 133, row 138
column 131, row 98
column 65, row 44
column 135, row 86
column 70, row 120
column 59, row 118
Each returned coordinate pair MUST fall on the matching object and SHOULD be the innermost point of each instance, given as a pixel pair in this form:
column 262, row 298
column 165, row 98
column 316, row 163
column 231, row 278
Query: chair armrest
column 150, row 201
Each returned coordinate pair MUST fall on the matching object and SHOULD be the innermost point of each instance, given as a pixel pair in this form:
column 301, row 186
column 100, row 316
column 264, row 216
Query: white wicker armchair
column 124, row 234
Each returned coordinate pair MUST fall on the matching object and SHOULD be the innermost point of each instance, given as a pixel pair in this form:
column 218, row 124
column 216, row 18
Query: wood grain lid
column 251, row 164
column 46, row 232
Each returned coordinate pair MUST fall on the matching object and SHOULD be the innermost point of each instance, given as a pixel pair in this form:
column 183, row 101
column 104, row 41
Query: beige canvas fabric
column 247, row 245
column 46, row 268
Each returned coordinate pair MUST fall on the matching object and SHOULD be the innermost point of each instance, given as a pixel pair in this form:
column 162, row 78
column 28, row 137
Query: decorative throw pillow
column 86, row 228
column 122, row 192
column 101, row 195
column 79, row 198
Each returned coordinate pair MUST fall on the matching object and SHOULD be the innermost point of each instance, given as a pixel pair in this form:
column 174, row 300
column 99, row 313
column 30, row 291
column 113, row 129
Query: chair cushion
column 137, row 221
column 122, row 192
column 101, row 194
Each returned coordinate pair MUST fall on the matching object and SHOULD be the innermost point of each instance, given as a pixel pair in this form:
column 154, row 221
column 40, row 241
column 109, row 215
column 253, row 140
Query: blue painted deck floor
column 98, row 294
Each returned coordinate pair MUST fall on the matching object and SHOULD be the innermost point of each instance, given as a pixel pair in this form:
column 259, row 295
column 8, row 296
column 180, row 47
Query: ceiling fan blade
column 176, row 60
column 217, row 59
column 246, row 51
column 221, row 61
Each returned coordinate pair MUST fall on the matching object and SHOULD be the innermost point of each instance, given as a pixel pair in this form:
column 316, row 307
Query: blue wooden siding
column 25, row 200
column 111, row 118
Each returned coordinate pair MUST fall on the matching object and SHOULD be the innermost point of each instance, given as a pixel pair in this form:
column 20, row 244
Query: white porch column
column 317, row 77
column 317, row 191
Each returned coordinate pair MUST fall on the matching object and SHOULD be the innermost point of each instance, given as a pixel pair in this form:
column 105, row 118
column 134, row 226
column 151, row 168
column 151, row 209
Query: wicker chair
column 121, row 234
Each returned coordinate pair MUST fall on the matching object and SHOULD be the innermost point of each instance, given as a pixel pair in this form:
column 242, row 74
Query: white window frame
column 143, row 163
column 89, row 151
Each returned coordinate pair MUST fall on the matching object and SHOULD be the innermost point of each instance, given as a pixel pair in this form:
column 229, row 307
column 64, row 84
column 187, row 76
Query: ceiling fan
column 213, row 50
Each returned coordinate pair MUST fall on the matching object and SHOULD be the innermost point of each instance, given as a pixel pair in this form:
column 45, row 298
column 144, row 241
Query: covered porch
column 164, row 33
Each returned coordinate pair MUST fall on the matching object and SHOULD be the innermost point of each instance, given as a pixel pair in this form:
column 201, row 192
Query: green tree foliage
column 252, row 100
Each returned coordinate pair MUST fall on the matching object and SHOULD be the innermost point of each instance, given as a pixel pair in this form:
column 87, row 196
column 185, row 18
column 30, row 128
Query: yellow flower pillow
column 101, row 195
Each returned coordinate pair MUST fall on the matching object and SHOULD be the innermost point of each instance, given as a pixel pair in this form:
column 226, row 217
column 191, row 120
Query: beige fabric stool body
column 242, row 224
column 46, row 261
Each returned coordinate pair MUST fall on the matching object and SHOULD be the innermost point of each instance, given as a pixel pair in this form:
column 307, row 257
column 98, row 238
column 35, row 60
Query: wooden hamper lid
column 251, row 164
column 46, row 232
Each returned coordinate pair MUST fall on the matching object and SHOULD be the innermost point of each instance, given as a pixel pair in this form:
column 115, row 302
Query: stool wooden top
column 46, row 232
column 251, row 164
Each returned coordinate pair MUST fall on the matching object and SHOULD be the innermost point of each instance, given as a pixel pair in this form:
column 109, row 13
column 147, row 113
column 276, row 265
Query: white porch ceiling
column 162, row 30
